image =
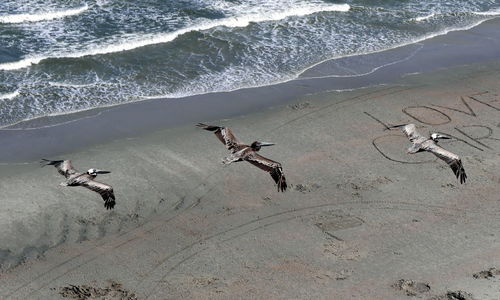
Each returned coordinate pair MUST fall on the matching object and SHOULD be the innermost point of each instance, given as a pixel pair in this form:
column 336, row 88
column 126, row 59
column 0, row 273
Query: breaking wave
column 42, row 16
column 134, row 41
column 7, row 96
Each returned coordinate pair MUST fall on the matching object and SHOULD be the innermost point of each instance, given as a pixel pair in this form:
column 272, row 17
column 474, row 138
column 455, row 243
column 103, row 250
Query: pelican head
column 257, row 145
column 435, row 136
column 94, row 172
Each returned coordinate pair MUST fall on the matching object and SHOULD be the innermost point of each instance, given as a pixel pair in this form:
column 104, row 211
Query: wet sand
column 359, row 216
column 361, row 219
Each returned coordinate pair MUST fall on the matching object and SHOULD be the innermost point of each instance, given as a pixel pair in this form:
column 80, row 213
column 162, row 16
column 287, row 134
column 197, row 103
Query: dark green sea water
column 59, row 56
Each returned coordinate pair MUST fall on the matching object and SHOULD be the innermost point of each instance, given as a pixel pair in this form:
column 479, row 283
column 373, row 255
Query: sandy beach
column 361, row 219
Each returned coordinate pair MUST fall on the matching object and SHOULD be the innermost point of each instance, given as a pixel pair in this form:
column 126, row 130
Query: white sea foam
column 423, row 18
column 9, row 95
column 130, row 42
column 42, row 16
column 494, row 12
column 71, row 85
column 21, row 63
column 102, row 3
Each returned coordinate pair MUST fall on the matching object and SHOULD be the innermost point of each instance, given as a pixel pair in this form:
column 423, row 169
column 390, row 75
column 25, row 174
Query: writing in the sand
column 477, row 136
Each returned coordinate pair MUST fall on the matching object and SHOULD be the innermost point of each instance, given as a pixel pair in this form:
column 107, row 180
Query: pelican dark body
column 243, row 152
column 86, row 179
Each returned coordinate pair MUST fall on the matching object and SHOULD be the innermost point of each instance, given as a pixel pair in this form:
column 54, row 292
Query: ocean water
column 60, row 56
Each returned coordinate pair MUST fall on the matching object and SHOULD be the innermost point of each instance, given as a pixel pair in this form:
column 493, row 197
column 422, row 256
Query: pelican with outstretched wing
column 422, row 143
column 75, row 178
column 242, row 152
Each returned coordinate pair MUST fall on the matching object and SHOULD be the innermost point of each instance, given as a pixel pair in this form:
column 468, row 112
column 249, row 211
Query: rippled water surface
column 58, row 56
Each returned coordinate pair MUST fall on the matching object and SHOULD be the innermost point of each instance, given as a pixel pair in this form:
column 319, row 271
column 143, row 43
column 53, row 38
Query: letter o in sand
column 393, row 147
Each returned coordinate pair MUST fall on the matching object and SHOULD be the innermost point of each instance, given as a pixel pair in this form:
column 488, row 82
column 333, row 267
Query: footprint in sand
column 454, row 295
column 412, row 288
column 114, row 290
column 306, row 188
column 300, row 106
column 486, row 274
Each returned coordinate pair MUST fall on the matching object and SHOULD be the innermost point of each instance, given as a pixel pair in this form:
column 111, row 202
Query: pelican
column 240, row 152
column 75, row 178
column 421, row 143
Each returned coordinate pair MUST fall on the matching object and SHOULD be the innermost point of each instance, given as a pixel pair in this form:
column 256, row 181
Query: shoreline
column 479, row 44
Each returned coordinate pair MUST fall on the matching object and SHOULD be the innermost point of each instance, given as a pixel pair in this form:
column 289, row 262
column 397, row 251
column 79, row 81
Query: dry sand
column 361, row 219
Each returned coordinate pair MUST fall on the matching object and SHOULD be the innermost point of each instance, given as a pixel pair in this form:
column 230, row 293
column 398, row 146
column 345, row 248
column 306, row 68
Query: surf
column 42, row 16
column 134, row 41
column 8, row 96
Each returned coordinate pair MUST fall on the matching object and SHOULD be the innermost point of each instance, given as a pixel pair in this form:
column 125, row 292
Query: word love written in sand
column 480, row 137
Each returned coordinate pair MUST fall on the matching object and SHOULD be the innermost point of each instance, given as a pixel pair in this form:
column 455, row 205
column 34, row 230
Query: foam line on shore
column 372, row 70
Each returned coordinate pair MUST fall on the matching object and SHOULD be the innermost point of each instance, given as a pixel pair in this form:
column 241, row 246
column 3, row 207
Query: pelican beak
column 102, row 172
column 397, row 126
column 262, row 144
column 439, row 136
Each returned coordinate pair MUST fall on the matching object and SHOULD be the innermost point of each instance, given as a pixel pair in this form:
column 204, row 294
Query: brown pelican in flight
column 75, row 178
column 240, row 152
column 421, row 143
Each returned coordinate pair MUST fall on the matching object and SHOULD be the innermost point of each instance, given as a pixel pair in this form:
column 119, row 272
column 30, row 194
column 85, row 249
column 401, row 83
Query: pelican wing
column 451, row 159
column 64, row 167
column 224, row 134
column 106, row 192
column 274, row 168
column 411, row 132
